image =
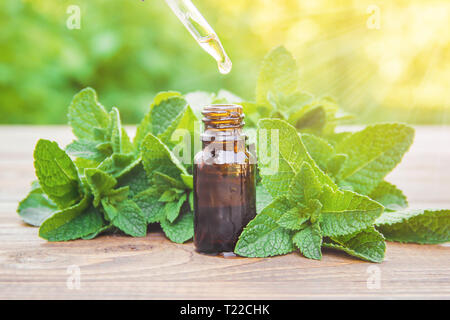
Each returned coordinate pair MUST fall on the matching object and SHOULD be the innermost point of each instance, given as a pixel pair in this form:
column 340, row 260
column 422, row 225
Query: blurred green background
column 388, row 62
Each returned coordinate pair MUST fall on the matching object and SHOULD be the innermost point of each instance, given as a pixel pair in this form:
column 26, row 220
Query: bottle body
column 224, row 185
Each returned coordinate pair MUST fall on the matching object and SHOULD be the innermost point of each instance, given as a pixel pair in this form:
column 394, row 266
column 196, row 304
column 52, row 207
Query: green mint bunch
column 309, row 210
column 113, row 183
column 329, row 188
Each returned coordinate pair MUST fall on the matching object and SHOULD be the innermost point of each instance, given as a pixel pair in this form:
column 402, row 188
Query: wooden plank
column 116, row 267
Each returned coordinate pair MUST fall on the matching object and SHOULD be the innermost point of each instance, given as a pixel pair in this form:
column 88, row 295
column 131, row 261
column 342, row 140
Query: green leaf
column 313, row 120
column 166, row 107
column 172, row 209
column 100, row 183
column 98, row 232
column 290, row 106
column 36, row 207
column 117, row 136
column 419, row 226
column 294, row 219
column 191, row 200
column 292, row 154
column 335, row 164
column 309, row 241
column 118, row 165
column 389, row 196
column 315, row 210
column 136, row 179
column 263, row 198
column 156, row 156
column 188, row 180
column 319, row 149
column 169, row 195
column 254, row 112
column 57, row 174
column 164, row 181
column 152, row 208
column 331, row 108
column 346, row 212
column 87, row 149
column 373, row 153
column 127, row 216
column 304, row 186
column 367, row 244
column 263, row 237
column 278, row 74
column 277, row 184
column 72, row 223
column 181, row 230
column 184, row 121
column 86, row 114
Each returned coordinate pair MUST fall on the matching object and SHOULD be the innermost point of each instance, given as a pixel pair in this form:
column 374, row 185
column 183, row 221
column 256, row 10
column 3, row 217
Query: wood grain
column 118, row 267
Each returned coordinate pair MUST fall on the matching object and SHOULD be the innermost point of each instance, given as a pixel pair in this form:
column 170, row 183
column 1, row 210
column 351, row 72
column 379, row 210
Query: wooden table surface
column 119, row 267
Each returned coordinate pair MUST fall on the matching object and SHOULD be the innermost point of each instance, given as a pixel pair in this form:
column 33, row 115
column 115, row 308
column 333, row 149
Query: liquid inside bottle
column 224, row 181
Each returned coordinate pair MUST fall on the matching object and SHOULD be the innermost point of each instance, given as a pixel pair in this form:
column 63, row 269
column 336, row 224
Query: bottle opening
column 223, row 116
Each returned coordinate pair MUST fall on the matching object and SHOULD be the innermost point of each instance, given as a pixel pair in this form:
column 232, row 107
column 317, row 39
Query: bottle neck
column 223, row 125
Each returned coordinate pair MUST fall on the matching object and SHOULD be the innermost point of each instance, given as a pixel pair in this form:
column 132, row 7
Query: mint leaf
column 336, row 163
column 72, row 223
column 419, row 226
column 389, row 196
column 263, row 198
column 293, row 219
column 87, row 149
column 373, row 153
column 184, row 122
column 292, row 154
column 181, row 230
column 313, row 120
column 367, row 244
column 86, row 114
column 165, row 108
column 98, row 232
column 253, row 112
column 346, row 212
column 263, row 237
column 136, row 179
column 319, row 149
column 152, row 208
column 278, row 74
column 172, row 209
column 36, row 207
column 309, row 241
column 188, row 180
column 289, row 106
column 57, row 174
column 127, row 216
column 120, row 142
column 277, row 184
column 156, row 156
column 304, row 186
column 118, row 164
column 100, row 183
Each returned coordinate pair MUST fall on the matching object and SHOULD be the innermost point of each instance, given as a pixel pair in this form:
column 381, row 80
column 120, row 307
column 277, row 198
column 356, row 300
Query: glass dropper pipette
column 199, row 28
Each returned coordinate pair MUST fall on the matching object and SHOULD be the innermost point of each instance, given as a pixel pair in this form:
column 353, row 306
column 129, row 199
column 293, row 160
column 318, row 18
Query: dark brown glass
column 224, row 181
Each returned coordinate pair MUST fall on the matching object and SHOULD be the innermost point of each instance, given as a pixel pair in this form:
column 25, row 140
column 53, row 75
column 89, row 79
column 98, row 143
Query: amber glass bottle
column 224, row 181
